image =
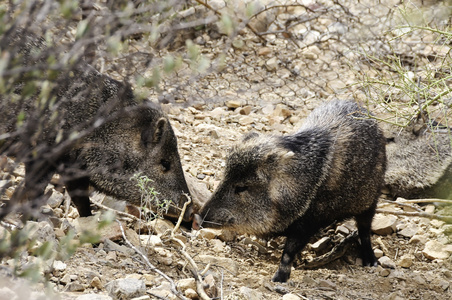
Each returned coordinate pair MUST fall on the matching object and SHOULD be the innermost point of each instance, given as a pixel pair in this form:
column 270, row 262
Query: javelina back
column 91, row 129
column 294, row 185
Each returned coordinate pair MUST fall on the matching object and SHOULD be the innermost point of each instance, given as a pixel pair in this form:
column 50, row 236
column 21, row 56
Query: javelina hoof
column 197, row 221
column 280, row 276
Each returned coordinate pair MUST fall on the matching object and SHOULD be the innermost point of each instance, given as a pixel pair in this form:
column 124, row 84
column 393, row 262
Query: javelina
column 419, row 160
column 294, row 185
column 90, row 129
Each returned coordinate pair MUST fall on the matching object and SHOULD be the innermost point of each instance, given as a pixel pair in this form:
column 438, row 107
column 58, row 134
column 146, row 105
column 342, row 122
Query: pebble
column 386, row 262
column 96, row 283
column 186, row 283
column 321, row 244
column 208, row 233
column 224, row 262
column 94, row 297
column 251, row 294
column 58, row 265
column 384, row 224
column 126, row 288
column 406, row 261
column 290, row 297
column 435, row 250
column 409, row 231
column 191, row 294
column 378, row 253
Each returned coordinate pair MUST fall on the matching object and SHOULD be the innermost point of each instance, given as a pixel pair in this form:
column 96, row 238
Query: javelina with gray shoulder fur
column 294, row 185
column 91, row 130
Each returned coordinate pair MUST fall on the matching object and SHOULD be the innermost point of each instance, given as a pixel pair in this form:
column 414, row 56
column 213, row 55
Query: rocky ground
column 267, row 88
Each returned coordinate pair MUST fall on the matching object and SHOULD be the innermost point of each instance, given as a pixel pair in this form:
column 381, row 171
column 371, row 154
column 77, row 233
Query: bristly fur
column 330, row 170
column 123, row 135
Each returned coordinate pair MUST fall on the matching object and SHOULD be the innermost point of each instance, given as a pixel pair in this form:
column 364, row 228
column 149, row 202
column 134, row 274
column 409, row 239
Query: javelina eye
column 166, row 165
column 240, row 188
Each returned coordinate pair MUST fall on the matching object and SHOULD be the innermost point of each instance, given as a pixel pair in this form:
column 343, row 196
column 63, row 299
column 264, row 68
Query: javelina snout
column 293, row 185
column 141, row 143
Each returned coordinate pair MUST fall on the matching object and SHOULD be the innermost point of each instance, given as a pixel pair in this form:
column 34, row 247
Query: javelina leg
column 78, row 190
column 364, row 222
column 292, row 247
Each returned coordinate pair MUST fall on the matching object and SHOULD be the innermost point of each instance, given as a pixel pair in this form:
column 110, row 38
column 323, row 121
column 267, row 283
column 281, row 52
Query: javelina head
column 143, row 142
column 254, row 195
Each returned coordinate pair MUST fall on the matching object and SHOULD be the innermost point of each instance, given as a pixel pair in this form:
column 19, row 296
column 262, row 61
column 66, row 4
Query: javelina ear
column 148, row 137
column 249, row 136
column 280, row 157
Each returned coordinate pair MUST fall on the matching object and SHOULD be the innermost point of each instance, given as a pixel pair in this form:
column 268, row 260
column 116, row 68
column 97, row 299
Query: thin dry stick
column 173, row 285
column 402, row 205
column 446, row 219
column 199, row 286
column 429, row 200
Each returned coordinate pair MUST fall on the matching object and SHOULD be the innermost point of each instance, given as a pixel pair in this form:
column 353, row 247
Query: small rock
column 268, row 109
column 58, row 265
column 55, row 199
column 327, row 284
column 250, row 294
column 405, row 261
column 160, row 226
column 272, row 64
column 409, row 231
column 126, row 288
column 246, row 120
column 145, row 297
column 233, row 104
column 343, row 230
column 208, row 233
column 217, row 113
column 378, row 253
column 321, row 244
column 264, row 51
column 66, row 279
column 386, row 262
column 186, row 283
column 217, row 245
column 74, row 287
column 383, row 272
column 151, row 240
column 290, row 297
column 384, row 224
column 224, row 262
column 418, row 239
column 162, row 291
column 435, row 250
column 94, row 297
column 96, row 283
column 246, row 110
column 429, row 209
column 191, row 294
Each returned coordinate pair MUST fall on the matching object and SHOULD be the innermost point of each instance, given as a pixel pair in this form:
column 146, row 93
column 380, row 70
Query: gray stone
column 126, row 288
column 384, row 224
column 251, row 294
column 386, row 262
column 321, row 244
column 409, row 231
column 406, row 261
column 55, row 199
column 224, row 262
column 435, row 250
column 290, row 297
column 94, row 297
column 186, row 283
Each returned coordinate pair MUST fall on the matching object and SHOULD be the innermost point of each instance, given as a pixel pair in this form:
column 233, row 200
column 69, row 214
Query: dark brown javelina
column 294, row 185
column 90, row 129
